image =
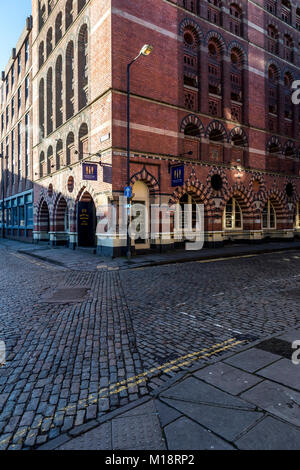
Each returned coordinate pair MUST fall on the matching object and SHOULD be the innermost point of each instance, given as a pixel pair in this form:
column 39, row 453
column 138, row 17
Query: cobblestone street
column 109, row 337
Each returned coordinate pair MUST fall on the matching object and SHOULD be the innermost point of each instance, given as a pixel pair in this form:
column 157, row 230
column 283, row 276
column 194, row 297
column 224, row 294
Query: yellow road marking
column 135, row 380
column 35, row 262
column 226, row 258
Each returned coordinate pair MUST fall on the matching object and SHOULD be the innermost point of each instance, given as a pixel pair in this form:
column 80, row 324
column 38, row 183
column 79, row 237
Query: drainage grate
column 67, row 295
column 277, row 346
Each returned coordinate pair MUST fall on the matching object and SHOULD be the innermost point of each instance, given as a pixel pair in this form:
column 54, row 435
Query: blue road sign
column 128, row 192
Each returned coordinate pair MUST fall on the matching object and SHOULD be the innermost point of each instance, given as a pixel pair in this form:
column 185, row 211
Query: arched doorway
column 140, row 215
column 86, row 221
column 61, row 222
column 44, row 221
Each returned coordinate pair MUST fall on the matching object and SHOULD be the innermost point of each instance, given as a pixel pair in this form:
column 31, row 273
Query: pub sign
column 177, row 173
column 89, row 172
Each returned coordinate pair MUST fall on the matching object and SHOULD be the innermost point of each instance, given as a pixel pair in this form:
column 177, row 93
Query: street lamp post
column 145, row 51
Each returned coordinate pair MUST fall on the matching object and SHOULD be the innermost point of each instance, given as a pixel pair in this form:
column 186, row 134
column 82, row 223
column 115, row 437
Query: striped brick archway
column 242, row 196
column 43, row 217
column 280, row 205
column 147, row 178
column 59, row 212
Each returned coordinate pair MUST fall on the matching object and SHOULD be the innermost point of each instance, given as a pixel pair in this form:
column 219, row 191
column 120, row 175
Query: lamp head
column 146, row 50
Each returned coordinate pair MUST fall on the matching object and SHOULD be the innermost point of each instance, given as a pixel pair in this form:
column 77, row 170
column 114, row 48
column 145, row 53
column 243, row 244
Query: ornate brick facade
column 214, row 95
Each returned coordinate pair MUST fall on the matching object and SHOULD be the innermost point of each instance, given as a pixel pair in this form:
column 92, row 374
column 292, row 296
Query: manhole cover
column 277, row 346
column 67, row 295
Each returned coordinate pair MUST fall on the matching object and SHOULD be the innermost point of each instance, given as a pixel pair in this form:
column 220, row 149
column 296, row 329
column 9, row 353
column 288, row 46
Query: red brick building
column 214, row 96
column 16, row 142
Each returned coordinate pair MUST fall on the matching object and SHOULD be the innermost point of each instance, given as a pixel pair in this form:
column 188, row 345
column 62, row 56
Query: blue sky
column 13, row 15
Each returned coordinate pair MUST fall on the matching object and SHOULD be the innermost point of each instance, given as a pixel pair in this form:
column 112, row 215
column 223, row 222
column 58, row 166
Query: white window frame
column 297, row 219
column 269, row 205
column 233, row 217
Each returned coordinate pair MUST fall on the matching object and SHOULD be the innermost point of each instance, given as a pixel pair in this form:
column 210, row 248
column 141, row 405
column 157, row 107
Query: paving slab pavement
column 85, row 260
column 239, row 402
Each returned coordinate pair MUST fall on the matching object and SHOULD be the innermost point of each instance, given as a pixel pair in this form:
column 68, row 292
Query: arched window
column 50, row 6
column 288, row 48
column 70, row 80
column 268, row 216
column 216, row 134
column 41, row 54
column 81, row 4
column 191, row 63
column 236, row 77
column 192, row 141
column 83, row 70
column 289, row 151
column 286, row 12
column 42, row 160
column 214, row 12
column 215, row 78
column 191, row 130
column 190, row 5
column 49, row 42
column 83, row 141
column 236, row 19
column 273, row 97
column 273, row 40
column 42, row 108
column 70, row 148
column 188, row 213
column 274, row 149
column 59, row 92
column 49, row 160
column 239, row 142
column 233, row 219
column 298, row 18
column 42, row 14
column 288, row 104
column 271, row 6
column 59, row 152
column 58, row 28
column 69, row 13
column 297, row 216
column 49, row 102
